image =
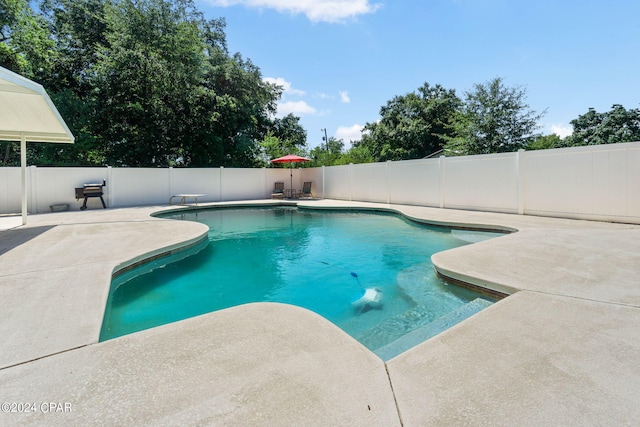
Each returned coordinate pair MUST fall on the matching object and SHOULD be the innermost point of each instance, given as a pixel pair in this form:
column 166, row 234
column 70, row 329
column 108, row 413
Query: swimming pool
column 369, row 273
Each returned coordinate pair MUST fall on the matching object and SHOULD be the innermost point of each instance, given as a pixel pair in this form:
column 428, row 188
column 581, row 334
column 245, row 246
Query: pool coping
column 568, row 266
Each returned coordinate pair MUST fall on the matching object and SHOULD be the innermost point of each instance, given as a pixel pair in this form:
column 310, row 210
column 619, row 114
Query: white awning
column 28, row 115
column 26, row 110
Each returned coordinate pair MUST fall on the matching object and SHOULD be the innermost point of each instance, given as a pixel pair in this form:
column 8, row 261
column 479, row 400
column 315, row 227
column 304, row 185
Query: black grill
column 90, row 190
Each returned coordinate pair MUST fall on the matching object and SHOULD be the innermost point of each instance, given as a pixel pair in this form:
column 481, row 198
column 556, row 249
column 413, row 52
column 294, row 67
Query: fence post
column 388, row 181
column 111, row 193
column 520, row 178
column 351, row 182
column 221, row 174
column 441, row 183
column 23, row 175
column 33, row 189
column 323, row 181
column 170, row 178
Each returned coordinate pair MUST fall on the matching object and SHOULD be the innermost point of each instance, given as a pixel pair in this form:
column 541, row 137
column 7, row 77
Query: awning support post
column 23, row 174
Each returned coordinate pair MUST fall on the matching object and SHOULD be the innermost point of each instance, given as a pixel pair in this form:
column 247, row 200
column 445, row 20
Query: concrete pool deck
column 564, row 349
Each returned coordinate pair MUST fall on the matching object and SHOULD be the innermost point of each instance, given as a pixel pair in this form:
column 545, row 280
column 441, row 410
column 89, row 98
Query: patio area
column 563, row 349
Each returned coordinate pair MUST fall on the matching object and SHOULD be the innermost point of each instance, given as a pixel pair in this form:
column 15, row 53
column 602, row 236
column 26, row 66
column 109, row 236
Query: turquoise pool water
column 321, row 260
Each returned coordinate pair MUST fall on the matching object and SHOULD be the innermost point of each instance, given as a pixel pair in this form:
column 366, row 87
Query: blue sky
column 341, row 60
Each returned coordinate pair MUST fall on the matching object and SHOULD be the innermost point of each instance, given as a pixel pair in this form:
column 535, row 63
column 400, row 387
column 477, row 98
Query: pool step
column 422, row 331
column 395, row 327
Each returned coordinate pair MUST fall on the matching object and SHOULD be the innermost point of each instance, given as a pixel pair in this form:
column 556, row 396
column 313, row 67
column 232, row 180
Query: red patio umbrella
column 290, row 158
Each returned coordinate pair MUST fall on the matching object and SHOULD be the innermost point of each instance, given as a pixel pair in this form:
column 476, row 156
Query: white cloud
column 315, row 10
column 350, row 133
column 344, row 96
column 286, row 86
column 322, row 95
column 561, row 130
column 299, row 108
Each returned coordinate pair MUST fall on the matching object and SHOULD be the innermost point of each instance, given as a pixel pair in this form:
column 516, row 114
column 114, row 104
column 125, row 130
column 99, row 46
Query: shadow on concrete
column 10, row 239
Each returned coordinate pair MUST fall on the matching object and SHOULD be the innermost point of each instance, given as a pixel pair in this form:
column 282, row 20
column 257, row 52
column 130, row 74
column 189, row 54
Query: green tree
column 79, row 116
column 274, row 147
column 146, row 75
column 289, row 129
column 167, row 93
column 356, row 154
column 27, row 49
column 617, row 125
column 25, row 43
column 545, row 142
column 241, row 109
column 144, row 83
column 328, row 154
column 80, row 30
column 284, row 136
column 493, row 119
column 413, row 125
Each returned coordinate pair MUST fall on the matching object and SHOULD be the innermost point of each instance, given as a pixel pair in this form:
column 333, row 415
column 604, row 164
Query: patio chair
column 278, row 190
column 306, row 190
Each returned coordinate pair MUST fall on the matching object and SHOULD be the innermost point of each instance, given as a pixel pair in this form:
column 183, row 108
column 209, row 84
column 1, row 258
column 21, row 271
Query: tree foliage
column 146, row 83
column 545, row 142
column 147, row 76
column 412, row 125
column 328, row 154
column 493, row 119
column 152, row 83
column 170, row 94
column 25, row 45
column 284, row 136
column 617, row 125
column 289, row 129
column 356, row 154
column 25, row 48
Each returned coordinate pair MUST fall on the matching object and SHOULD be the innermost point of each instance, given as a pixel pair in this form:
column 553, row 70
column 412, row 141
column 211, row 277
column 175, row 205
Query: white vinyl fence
column 594, row 182
column 125, row 187
column 599, row 182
